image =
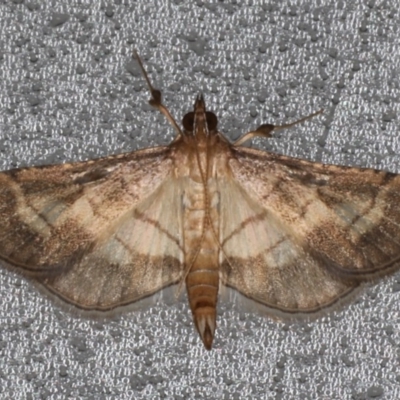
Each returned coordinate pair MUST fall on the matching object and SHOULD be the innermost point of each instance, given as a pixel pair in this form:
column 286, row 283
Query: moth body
column 200, row 224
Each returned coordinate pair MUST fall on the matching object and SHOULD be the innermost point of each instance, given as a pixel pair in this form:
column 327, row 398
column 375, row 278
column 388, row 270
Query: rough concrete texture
column 70, row 91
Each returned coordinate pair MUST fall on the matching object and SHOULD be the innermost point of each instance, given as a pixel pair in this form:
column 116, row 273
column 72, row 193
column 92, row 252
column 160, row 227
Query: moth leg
column 266, row 129
column 155, row 100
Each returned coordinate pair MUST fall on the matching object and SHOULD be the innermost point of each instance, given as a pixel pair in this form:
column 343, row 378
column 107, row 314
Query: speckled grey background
column 69, row 91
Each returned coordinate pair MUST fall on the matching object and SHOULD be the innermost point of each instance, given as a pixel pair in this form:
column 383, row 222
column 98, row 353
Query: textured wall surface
column 70, row 91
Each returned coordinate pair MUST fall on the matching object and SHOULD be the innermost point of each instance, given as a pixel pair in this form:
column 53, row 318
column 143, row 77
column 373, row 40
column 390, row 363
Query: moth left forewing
column 305, row 235
column 350, row 215
column 98, row 235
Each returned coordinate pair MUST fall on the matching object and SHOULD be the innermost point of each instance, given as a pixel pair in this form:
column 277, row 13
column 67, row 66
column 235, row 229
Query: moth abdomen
column 202, row 284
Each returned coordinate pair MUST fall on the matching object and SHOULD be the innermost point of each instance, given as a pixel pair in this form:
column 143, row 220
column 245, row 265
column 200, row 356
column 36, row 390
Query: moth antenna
column 266, row 129
column 155, row 100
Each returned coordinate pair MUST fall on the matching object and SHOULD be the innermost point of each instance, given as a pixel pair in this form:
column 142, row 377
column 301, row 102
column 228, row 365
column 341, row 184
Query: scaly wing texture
column 98, row 234
column 300, row 236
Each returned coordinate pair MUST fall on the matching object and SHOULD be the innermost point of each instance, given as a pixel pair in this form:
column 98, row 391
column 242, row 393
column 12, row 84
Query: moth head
column 199, row 117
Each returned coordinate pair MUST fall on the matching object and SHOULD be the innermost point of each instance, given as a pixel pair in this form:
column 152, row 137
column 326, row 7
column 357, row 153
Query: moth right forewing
column 98, row 235
column 51, row 215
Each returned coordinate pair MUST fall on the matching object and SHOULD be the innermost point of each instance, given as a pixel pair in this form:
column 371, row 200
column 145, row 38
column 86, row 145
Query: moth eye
column 212, row 121
column 188, row 122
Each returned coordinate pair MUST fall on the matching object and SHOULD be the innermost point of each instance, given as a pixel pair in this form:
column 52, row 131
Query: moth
column 292, row 237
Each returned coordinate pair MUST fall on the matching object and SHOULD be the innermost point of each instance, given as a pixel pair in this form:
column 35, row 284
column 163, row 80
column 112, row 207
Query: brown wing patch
column 97, row 240
column 267, row 261
column 96, row 284
column 46, row 217
column 350, row 216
